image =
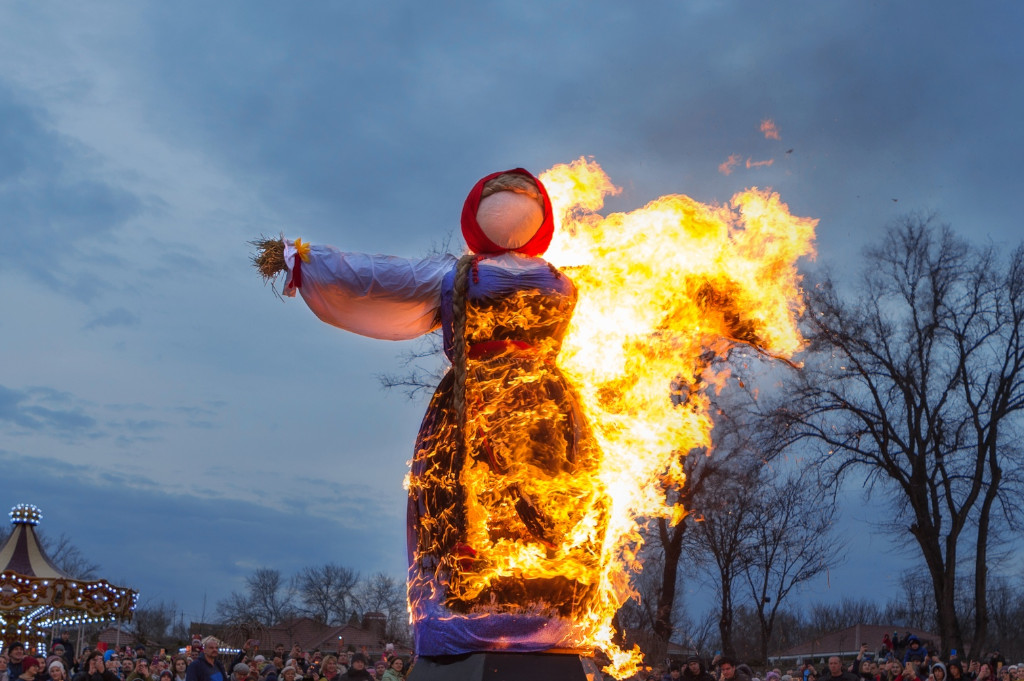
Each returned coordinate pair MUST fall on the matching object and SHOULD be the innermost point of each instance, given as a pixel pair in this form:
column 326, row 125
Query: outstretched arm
column 379, row 296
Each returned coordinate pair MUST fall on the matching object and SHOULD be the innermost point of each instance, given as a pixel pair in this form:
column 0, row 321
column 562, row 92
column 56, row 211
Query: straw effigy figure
column 505, row 509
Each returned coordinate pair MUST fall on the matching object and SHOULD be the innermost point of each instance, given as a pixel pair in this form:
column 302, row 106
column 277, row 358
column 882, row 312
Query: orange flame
column 660, row 287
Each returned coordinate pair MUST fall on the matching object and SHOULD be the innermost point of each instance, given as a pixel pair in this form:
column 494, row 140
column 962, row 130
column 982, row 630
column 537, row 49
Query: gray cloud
column 31, row 410
column 118, row 316
column 53, row 198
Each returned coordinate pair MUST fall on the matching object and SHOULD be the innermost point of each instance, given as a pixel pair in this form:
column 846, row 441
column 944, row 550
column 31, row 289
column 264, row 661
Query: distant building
column 366, row 636
column 846, row 643
column 115, row 638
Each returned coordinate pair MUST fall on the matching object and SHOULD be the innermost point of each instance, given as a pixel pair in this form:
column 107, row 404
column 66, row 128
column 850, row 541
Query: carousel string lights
column 36, row 595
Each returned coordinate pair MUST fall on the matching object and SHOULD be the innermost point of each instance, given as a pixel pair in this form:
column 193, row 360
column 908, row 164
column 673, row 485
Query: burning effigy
column 553, row 434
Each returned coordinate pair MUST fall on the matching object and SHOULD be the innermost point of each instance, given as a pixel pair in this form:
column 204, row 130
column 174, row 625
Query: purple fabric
column 438, row 630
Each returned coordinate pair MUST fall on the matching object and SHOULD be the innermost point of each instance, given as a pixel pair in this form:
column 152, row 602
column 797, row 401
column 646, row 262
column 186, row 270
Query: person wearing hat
column 55, row 670
column 15, row 655
column 61, row 651
column 30, row 668
column 695, row 671
column 240, row 672
column 67, row 648
column 357, row 670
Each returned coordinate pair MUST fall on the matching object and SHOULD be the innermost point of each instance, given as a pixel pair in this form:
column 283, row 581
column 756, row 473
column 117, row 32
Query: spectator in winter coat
column 55, row 670
column 836, row 673
column 15, row 654
column 94, row 669
column 59, row 650
column 358, row 668
column 30, row 668
column 207, row 667
column 915, row 651
column 179, row 667
column 694, row 671
column 394, row 670
column 330, row 669
column 729, row 671
column 140, row 671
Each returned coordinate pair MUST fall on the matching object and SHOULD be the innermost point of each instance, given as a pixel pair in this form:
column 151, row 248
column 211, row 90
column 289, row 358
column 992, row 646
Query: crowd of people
column 202, row 661
column 906, row 660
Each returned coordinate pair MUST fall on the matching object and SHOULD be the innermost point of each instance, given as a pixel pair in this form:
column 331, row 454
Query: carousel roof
column 22, row 552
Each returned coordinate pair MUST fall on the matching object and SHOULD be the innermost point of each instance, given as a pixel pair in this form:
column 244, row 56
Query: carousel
column 37, row 598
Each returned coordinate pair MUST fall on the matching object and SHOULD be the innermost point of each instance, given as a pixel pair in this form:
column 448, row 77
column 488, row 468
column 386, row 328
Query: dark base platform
column 506, row 667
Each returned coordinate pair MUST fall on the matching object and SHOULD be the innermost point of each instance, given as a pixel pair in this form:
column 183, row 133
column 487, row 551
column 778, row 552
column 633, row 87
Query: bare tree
column 68, row 557
column 728, row 521
column 237, row 610
column 152, row 622
column 1006, row 603
column 269, row 600
column 423, row 367
column 699, row 635
column 918, row 382
column 702, row 470
column 824, row 618
column 327, row 592
column 640, row 614
column 736, row 419
column 790, row 545
column 383, row 593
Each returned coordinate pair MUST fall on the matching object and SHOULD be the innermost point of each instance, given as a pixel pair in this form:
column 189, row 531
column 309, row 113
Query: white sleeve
column 379, row 296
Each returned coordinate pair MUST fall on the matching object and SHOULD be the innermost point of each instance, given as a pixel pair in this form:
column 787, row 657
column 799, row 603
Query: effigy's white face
column 509, row 219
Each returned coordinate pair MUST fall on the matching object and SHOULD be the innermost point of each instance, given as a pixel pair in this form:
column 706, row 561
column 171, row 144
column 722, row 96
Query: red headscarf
column 478, row 241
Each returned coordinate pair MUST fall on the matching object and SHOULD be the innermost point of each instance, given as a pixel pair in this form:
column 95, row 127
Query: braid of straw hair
column 459, row 352
column 459, row 340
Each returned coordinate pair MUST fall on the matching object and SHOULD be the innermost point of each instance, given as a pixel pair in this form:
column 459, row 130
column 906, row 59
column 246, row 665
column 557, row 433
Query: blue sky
column 162, row 406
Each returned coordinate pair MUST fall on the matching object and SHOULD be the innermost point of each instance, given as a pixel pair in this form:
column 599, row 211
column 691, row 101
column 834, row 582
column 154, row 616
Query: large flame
column 661, row 288
column 538, row 511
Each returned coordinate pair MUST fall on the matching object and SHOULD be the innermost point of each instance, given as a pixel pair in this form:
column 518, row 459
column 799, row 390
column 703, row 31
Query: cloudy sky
column 185, row 426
